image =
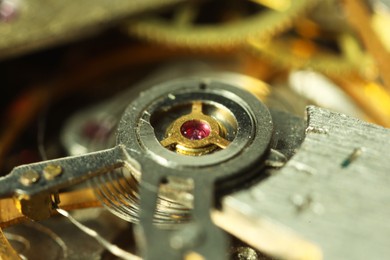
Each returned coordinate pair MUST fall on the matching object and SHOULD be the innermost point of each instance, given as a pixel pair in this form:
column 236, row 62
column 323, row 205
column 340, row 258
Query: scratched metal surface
column 44, row 23
column 323, row 194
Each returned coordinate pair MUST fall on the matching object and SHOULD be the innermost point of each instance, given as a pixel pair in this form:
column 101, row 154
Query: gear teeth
column 279, row 53
column 225, row 36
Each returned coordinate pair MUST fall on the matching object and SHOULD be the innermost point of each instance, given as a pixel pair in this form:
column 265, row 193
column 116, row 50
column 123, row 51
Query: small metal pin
column 29, row 177
column 51, row 171
column 352, row 157
column 55, row 199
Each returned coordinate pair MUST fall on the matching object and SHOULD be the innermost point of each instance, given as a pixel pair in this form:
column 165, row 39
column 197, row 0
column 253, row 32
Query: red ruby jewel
column 195, row 129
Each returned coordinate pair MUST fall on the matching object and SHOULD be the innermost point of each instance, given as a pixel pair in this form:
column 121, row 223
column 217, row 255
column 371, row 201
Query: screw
column 51, row 171
column 29, row 177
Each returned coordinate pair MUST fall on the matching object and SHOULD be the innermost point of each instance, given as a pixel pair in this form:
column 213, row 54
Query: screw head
column 29, row 177
column 52, row 171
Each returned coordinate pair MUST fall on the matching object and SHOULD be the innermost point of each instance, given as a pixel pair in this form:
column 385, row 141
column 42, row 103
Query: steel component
column 158, row 163
column 42, row 24
column 76, row 169
column 177, row 189
column 166, row 107
column 317, row 203
column 186, row 92
column 148, row 162
column 108, row 113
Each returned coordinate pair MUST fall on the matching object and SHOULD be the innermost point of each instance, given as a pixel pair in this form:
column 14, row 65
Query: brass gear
column 339, row 55
column 229, row 32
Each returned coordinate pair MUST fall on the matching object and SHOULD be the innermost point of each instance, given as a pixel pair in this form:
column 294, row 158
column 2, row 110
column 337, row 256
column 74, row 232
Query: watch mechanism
column 195, row 130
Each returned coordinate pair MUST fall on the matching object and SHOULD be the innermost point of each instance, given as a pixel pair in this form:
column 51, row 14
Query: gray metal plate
column 334, row 193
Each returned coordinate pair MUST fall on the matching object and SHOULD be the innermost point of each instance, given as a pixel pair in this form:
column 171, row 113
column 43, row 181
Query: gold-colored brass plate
column 6, row 250
column 10, row 215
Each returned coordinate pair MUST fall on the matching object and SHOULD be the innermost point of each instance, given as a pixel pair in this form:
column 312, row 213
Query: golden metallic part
column 278, row 5
column 203, row 146
column 29, row 177
column 219, row 141
column 35, row 207
column 253, row 85
column 359, row 17
column 370, row 96
column 193, row 256
column 6, row 250
column 297, row 53
column 381, row 24
column 51, row 171
column 196, row 107
column 227, row 35
column 11, row 215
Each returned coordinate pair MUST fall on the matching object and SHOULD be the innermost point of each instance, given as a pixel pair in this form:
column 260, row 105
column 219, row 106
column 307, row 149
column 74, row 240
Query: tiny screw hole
column 164, row 180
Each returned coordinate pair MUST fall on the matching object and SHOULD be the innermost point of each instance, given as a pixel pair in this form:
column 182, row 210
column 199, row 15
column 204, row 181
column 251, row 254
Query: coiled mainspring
column 118, row 191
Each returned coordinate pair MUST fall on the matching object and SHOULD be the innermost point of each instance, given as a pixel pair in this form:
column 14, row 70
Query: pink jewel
column 195, row 130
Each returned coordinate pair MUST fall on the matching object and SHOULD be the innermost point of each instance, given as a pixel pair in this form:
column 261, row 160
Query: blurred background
column 63, row 64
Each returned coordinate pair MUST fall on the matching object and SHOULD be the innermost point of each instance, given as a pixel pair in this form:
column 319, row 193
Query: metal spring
column 118, row 192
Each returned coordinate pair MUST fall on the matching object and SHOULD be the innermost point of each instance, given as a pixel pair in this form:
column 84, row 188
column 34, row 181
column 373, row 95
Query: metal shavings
column 113, row 249
column 316, row 130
